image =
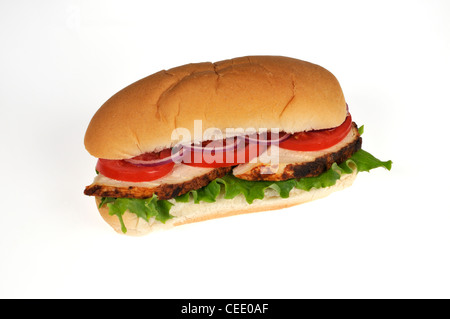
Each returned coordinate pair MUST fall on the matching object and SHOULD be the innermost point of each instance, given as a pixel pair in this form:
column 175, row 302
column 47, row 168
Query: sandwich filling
column 316, row 167
column 183, row 178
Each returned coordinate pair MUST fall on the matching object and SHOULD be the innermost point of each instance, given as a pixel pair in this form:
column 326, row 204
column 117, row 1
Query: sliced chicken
column 182, row 179
column 298, row 164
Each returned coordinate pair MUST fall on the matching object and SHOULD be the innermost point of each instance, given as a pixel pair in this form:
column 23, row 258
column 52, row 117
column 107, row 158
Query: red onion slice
column 218, row 147
column 259, row 140
column 174, row 157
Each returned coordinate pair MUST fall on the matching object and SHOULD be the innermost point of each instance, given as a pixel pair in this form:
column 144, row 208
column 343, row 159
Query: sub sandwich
column 208, row 140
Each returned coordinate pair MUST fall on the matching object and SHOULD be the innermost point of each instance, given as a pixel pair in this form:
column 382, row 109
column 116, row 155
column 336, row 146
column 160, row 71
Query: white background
column 388, row 236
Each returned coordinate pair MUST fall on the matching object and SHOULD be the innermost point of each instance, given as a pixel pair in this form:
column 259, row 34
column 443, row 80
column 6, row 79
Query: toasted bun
column 186, row 213
column 248, row 92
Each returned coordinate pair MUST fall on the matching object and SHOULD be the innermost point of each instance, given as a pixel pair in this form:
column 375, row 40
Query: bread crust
column 248, row 92
column 186, row 213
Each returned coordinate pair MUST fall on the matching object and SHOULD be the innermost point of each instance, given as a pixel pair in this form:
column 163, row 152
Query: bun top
column 247, row 92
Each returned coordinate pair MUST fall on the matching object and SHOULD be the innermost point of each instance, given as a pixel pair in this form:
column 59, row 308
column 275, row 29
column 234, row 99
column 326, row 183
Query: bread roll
column 247, row 92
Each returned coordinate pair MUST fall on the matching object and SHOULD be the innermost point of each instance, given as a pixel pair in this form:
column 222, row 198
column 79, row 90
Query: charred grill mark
column 164, row 191
column 323, row 163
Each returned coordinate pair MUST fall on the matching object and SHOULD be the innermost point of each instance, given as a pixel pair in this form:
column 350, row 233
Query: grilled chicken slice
column 298, row 164
column 181, row 180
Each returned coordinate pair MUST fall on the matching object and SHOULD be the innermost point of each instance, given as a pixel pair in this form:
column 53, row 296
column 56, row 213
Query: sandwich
column 209, row 140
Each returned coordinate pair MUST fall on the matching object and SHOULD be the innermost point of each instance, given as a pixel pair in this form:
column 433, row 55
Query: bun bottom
column 190, row 212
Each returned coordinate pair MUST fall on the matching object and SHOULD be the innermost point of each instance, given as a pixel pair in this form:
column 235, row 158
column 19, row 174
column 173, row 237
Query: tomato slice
column 243, row 153
column 124, row 171
column 318, row 140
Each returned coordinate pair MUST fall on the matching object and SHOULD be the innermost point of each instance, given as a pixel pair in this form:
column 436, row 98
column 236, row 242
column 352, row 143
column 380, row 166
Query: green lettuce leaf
column 361, row 130
column 207, row 194
column 365, row 161
column 325, row 179
column 143, row 208
column 251, row 190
